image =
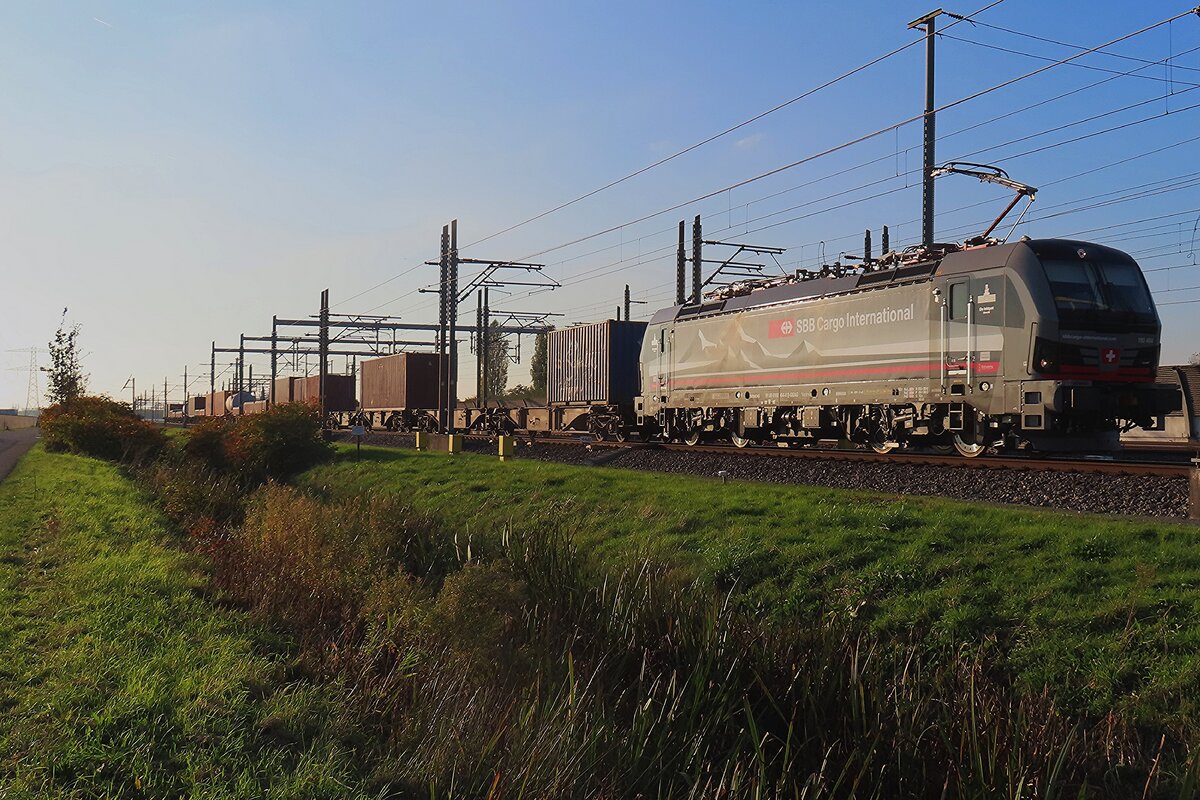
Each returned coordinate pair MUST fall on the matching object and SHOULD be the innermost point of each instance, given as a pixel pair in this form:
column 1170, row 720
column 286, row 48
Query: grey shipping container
column 594, row 363
column 405, row 380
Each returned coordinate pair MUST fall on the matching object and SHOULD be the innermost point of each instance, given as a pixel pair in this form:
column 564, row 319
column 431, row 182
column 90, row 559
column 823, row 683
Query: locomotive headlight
column 985, row 387
column 1046, row 354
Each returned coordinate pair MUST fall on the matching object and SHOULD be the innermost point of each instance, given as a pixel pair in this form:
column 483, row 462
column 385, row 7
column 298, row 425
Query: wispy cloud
column 753, row 140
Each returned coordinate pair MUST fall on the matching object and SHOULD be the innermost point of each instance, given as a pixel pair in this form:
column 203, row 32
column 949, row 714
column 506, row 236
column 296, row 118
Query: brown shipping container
column 300, row 390
column 595, row 363
column 216, row 404
column 405, row 380
column 283, row 390
column 339, row 392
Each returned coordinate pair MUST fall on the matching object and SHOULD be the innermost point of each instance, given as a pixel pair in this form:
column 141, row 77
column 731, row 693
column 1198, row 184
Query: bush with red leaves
column 102, row 428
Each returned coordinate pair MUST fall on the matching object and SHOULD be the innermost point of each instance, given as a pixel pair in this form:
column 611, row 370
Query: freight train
column 1042, row 344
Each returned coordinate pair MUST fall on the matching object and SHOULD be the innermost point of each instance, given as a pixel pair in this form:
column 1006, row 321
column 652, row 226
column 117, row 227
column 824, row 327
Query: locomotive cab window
column 1126, row 288
column 1083, row 289
column 960, row 296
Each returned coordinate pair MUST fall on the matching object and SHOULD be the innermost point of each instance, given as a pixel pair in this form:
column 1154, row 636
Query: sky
column 174, row 174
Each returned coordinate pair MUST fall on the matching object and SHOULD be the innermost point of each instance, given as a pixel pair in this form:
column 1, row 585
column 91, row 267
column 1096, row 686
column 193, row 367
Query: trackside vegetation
column 1101, row 612
column 123, row 675
column 414, row 625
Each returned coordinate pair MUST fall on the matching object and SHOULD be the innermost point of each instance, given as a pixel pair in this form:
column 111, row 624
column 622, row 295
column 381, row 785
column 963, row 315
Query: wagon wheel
column 884, row 447
column 692, row 438
column 619, row 434
column 738, row 441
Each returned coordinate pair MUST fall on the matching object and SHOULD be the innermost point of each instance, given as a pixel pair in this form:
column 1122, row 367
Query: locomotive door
column 668, row 358
column 958, row 345
column 664, row 349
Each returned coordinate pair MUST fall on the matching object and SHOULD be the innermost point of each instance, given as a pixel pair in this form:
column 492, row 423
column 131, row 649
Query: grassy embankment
column 1103, row 613
column 119, row 677
column 537, row 630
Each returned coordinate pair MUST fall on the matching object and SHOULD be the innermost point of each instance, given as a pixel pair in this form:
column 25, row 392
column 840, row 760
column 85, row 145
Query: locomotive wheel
column 692, row 439
column 968, row 449
column 738, row 441
column 619, row 434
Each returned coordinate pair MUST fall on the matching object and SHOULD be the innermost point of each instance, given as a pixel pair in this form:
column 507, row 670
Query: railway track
column 1101, row 465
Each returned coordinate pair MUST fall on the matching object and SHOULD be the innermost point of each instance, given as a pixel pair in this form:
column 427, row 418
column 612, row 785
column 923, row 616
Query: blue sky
column 177, row 173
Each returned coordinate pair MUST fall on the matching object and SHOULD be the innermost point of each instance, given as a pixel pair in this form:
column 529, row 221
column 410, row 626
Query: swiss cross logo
column 779, row 328
column 1110, row 356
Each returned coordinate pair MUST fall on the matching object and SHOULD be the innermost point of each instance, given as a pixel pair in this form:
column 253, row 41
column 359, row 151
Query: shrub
column 102, row 428
column 206, row 441
column 278, row 443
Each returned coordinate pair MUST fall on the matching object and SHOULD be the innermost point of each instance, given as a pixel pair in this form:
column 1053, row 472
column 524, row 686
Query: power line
column 726, row 132
column 1068, row 44
column 915, row 171
column 1048, row 58
column 1150, row 189
column 859, row 139
column 892, row 128
column 380, row 284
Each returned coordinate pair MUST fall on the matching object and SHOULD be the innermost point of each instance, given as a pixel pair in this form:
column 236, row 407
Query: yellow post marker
column 504, row 446
column 422, row 440
column 454, row 443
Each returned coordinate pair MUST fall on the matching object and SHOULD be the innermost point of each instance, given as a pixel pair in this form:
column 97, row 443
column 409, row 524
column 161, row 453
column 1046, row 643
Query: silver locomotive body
column 1052, row 343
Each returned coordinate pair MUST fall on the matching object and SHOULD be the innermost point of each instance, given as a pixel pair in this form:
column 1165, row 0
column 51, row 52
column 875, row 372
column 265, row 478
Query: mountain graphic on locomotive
column 1048, row 344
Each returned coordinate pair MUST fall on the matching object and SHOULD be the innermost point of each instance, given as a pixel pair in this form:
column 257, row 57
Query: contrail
column 102, row 22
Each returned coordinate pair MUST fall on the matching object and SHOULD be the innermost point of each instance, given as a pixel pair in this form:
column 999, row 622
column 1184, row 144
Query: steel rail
column 1099, row 465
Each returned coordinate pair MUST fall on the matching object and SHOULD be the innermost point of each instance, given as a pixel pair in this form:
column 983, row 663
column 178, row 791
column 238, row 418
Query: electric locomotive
column 1045, row 344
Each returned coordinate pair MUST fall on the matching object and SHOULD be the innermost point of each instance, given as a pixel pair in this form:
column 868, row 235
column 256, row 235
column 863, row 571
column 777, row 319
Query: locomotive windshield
column 1092, row 291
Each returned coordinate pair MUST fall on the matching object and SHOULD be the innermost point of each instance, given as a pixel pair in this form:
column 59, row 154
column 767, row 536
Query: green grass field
column 118, row 675
column 123, row 672
column 1103, row 612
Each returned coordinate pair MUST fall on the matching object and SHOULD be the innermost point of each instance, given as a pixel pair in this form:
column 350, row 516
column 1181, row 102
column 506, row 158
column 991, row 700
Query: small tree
column 537, row 364
column 67, row 381
column 497, row 373
column 1195, row 359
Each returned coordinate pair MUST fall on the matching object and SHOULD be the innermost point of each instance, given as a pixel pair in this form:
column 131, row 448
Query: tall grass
column 507, row 665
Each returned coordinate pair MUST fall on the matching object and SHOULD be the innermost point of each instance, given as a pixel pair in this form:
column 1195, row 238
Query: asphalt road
column 13, row 445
